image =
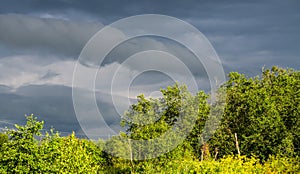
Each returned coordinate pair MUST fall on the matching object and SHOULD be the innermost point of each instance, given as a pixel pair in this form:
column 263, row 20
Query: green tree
column 264, row 112
column 152, row 118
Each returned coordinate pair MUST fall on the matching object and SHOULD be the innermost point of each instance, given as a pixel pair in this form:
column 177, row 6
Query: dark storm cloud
column 50, row 103
column 181, row 9
column 51, row 36
column 238, row 30
column 121, row 8
column 121, row 53
column 53, row 104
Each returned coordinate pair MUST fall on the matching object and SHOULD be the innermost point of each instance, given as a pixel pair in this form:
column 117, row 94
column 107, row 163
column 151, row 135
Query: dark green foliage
column 264, row 112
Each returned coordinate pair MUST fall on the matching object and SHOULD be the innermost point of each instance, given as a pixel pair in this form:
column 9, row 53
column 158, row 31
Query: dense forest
column 258, row 132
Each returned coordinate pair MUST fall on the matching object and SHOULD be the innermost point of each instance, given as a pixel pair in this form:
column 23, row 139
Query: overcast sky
column 40, row 42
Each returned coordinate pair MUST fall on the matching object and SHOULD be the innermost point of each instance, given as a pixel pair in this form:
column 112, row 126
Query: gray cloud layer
column 53, row 36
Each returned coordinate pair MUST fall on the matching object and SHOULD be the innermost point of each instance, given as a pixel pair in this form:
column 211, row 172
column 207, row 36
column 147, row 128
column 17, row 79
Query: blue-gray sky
column 40, row 40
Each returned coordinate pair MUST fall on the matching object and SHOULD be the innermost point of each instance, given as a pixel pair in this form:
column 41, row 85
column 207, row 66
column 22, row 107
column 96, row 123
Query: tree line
column 257, row 131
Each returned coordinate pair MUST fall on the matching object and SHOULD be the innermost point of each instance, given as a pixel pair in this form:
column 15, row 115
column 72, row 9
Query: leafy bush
column 3, row 139
column 23, row 153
